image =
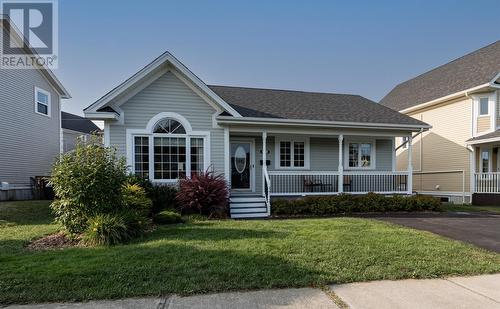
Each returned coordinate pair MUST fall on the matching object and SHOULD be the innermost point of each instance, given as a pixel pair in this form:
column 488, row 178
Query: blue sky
column 360, row 47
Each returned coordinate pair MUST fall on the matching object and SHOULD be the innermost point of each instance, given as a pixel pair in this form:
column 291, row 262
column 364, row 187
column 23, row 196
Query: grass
column 470, row 208
column 227, row 255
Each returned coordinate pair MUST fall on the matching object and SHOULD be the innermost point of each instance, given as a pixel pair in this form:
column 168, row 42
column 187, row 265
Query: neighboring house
column 30, row 124
column 76, row 128
column 169, row 124
column 459, row 156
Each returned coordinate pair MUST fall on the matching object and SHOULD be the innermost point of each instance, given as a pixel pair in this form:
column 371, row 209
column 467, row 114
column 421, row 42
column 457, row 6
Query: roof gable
column 474, row 69
column 147, row 74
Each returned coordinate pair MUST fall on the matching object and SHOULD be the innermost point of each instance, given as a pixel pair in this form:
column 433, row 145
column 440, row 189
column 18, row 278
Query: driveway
column 481, row 229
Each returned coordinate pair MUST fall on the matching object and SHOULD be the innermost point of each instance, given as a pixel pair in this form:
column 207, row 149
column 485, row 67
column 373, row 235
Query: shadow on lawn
column 203, row 232
column 131, row 270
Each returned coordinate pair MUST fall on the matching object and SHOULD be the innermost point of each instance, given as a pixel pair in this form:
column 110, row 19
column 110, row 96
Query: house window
column 141, row 149
column 292, row 154
column 169, row 157
column 298, row 154
column 360, row 155
column 285, row 154
column 485, row 161
column 483, row 106
column 174, row 154
column 42, row 102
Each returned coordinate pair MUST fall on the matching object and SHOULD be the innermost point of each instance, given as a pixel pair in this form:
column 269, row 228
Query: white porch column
column 410, row 165
column 473, row 168
column 264, row 158
column 341, row 164
column 227, row 158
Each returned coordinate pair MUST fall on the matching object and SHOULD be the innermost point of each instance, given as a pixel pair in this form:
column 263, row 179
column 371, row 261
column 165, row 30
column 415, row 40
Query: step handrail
column 267, row 189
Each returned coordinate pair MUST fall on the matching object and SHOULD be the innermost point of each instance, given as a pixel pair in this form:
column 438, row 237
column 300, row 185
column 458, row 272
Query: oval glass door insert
column 240, row 159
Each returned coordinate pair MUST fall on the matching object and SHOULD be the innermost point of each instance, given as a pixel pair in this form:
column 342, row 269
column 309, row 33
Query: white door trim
column 251, row 141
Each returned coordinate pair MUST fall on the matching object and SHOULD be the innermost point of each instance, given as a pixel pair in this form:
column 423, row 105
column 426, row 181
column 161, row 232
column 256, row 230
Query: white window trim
column 49, row 100
column 292, row 139
column 148, row 132
column 373, row 164
column 479, row 106
column 492, row 112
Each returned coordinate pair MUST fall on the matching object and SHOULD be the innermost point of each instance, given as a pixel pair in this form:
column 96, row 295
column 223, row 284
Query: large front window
column 169, row 152
column 292, row 153
column 169, row 157
column 360, row 155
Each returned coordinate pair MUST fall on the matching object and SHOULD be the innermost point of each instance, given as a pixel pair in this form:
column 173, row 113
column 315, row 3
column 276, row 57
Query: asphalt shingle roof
column 77, row 123
column 300, row 105
column 474, row 69
column 485, row 136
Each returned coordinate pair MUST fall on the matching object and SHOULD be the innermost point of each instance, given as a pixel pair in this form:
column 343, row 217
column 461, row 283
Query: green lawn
column 223, row 255
column 469, row 208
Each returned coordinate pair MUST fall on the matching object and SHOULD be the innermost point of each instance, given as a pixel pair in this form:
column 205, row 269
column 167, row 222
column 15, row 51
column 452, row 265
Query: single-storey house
column 169, row 124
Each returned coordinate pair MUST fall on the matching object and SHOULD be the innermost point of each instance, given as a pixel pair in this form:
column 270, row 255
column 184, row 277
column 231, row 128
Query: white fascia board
column 316, row 123
column 44, row 70
column 101, row 115
column 442, row 99
column 484, row 141
column 164, row 59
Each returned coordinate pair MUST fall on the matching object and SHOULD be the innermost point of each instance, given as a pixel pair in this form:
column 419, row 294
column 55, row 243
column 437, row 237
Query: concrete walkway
column 462, row 292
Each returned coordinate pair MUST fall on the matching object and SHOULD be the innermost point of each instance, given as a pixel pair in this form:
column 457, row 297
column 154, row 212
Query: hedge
column 345, row 203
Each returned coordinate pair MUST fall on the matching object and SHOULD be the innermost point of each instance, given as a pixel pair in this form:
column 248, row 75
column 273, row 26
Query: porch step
column 248, row 207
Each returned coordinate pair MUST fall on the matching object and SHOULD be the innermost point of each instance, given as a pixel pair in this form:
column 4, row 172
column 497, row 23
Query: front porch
column 485, row 176
column 298, row 165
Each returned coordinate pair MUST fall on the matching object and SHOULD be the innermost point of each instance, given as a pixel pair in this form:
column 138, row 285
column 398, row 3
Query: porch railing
column 375, row 181
column 487, row 182
column 327, row 182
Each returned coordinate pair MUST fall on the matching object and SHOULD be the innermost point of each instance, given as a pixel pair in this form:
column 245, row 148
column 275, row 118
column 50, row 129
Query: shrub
column 135, row 199
column 136, row 224
column 167, row 217
column 87, row 181
column 106, row 229
column 205, row 193
column 344, row 203
column 162, row 196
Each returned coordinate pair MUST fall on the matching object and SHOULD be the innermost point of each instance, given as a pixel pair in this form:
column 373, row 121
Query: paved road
column 480, row 229
column 460, row 292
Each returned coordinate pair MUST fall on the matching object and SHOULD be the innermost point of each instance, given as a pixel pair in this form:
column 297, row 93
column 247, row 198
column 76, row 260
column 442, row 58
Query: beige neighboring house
column 458, row 159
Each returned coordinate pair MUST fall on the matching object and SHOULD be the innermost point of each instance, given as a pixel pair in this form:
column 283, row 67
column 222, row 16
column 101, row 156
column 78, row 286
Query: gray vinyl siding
column 169, row 94
column 70, row 139
column 29, row 142
column 324, row 155
column 383, row 155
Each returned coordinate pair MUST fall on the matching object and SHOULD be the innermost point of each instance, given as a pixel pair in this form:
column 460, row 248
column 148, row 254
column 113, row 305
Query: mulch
column 54, row 241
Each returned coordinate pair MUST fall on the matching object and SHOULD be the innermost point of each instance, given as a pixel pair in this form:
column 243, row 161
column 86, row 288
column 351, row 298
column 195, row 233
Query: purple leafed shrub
column 205, row 193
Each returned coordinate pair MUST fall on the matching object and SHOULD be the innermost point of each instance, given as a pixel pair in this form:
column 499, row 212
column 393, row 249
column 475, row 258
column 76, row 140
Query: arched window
column 168, row 150
column 169, row 126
